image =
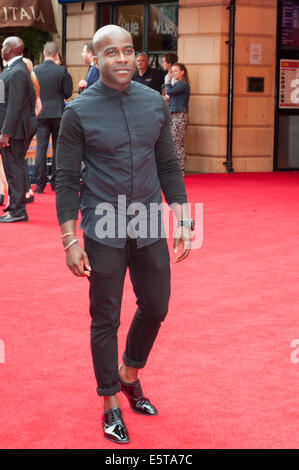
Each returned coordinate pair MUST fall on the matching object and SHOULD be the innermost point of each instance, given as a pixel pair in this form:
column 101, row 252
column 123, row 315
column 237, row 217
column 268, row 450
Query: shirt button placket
column 130, row 125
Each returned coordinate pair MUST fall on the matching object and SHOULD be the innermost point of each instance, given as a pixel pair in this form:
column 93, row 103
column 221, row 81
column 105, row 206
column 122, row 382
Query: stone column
column 80, row 28
column 203, row 32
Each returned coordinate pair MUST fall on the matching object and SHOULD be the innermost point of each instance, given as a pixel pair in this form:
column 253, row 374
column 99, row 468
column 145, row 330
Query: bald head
column 115, row 56
column 12, row 47
column 112, row 31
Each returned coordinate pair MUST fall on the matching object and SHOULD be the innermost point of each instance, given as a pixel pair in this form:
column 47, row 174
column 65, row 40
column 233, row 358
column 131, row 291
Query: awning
column 98, row 1
column 35, row 13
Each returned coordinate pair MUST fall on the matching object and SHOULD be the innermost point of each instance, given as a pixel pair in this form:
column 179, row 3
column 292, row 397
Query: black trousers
column 14, row 165
column 150, row 275
column 45, row 128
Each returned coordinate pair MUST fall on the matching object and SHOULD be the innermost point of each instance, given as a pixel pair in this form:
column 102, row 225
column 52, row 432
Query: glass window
column 290, row 24
column 163, row 29
column 131, row 18
column 106, row 14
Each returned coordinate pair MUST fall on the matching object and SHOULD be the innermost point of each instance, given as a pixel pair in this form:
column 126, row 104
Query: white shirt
column 172, row 81
column 11, row 61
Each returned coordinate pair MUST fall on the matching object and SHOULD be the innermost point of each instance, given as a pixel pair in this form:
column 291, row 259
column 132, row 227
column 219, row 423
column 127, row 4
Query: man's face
column 141, row 63
column 116, row 57
column 165, row 64
column 86, row 55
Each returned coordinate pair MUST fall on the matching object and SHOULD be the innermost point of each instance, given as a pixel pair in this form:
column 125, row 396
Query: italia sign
column 35, row 13
column 20, row 14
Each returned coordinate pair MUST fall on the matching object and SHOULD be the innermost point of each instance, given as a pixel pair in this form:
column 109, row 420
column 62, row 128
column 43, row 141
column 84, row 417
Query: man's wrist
column 71, row 243
column 67, row 238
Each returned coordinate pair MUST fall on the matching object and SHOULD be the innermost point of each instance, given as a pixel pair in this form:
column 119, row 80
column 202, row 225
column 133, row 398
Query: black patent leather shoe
column 114, row 427
column 138, row 403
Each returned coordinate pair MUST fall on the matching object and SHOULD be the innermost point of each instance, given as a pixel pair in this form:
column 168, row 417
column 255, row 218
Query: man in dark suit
column 56, row 85
column 93, row 72
column 17, row 123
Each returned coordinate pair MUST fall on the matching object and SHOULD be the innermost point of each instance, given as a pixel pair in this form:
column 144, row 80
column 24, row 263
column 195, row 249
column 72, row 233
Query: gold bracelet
column 66, row 234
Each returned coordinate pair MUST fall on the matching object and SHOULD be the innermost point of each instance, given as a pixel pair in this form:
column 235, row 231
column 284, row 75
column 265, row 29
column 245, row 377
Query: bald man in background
column 18, row 125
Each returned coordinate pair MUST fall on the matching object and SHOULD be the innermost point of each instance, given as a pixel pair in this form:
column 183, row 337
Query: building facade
column 264, row 133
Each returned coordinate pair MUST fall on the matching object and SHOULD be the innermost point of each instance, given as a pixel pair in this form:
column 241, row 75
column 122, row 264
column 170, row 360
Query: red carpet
column 220, row 373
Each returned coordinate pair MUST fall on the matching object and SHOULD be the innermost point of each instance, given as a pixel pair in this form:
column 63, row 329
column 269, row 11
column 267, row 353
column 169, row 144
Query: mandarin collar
column 112, row 91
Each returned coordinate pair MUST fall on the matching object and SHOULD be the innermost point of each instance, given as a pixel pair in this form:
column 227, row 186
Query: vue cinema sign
column 35, row 13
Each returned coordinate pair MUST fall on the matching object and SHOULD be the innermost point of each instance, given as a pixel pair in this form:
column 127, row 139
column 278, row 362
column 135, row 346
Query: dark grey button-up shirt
column 124, row 141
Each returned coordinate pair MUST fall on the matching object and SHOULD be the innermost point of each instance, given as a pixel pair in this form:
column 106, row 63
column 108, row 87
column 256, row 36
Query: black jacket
column 152, row 78
column 17, row 114
column 56, row 85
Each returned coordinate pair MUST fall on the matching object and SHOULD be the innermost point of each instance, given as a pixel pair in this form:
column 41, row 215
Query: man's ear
column 96, row 61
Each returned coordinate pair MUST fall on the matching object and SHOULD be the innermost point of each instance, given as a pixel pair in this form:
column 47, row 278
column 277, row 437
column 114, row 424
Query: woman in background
column 3, row 183
column 35, row 83
column 38, row 108
column 179, row 94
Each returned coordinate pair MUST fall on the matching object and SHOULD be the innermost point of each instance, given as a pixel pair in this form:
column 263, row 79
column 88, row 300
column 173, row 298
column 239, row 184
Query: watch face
column 188, row 223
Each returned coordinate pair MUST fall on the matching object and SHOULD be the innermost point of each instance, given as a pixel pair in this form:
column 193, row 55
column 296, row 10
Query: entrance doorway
column 153, row 25
column 287, row 103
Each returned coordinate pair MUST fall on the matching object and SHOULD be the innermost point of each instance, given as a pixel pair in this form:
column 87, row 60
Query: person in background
column 3, row 183
column 150, row 77
column 93, row 72
column 179, row 94
column 3, row 180
column 56, row 85
column 35, row 83
column 168, row 60
column 38, row 108
column 58, row 59
column 18, row 125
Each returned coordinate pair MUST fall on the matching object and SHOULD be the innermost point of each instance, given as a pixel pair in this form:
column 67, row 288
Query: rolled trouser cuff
column 131, row 363
column 106, row 392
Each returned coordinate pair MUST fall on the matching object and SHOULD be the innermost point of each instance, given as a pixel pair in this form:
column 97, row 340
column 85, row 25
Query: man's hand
column 82, row 84
column 77, row 260
column 4, row 140
column 182, row 237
